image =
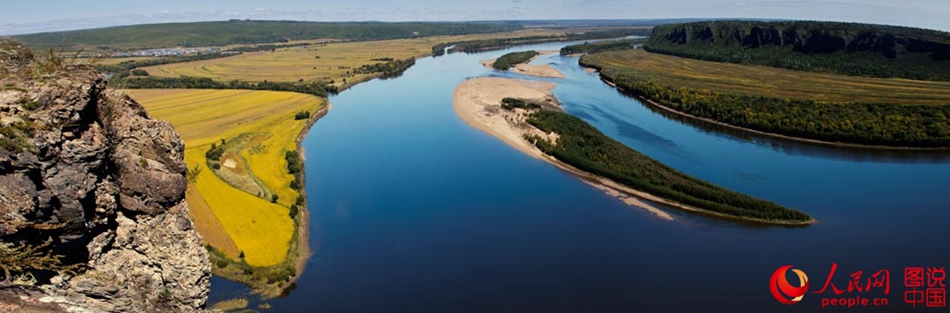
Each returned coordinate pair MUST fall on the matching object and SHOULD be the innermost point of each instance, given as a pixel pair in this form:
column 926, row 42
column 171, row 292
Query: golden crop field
column 335, row 59
column 259, row 228
column 771, row 82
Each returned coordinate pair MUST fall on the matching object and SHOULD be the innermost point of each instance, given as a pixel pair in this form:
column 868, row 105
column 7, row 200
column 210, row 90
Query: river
column 415, row 211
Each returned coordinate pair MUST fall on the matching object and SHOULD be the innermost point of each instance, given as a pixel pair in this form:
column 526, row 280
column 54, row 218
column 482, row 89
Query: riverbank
column 477, row 101
column 303, row 250
column 539, row 70
column 662, row 107
column 835, row 110
column 272, row 281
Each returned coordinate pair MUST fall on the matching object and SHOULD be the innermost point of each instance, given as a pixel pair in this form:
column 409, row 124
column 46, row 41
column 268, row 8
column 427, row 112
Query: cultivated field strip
column 772, row 82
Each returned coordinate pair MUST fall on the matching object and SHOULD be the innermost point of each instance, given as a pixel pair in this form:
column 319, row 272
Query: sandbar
column 477, row 101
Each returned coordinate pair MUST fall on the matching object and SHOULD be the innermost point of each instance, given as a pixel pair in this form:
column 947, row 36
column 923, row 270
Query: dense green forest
column 876, row 124
column 602, row 46
column 312, row 88
column 825, row 47
column 586, row 148
column 471, row 46
column 221, row 33
column 514, row 58
column 388, row 69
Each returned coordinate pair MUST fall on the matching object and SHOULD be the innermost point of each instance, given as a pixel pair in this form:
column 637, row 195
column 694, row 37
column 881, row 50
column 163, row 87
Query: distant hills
column 248, row 32
column 826, row 47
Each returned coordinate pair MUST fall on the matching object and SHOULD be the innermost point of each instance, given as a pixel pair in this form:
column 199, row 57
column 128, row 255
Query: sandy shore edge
column 476, row 101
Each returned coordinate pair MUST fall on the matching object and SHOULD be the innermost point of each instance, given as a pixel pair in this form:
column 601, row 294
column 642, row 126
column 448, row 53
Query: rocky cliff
column 839, row 48
column 92, row 211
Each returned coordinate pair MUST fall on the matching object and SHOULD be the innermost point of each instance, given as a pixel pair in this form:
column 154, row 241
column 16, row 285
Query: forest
column 509, row 60
column 311, row 88
column 602, row 46
column 584, row 147
column 824, row 47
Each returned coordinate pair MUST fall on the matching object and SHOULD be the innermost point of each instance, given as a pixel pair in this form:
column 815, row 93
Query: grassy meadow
column 753, row 80
column 230, row 219
column 336, row 60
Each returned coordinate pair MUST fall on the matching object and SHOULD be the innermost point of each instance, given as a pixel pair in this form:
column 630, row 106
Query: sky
column 17, row 17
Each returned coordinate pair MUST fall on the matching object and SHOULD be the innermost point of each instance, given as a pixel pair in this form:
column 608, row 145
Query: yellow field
column 336, row 59
column 262, row 230
column 771, row 82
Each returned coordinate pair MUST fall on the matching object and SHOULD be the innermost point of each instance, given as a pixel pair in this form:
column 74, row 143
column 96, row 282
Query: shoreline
column 471, row 101
column 768, row 134
column 303, row 226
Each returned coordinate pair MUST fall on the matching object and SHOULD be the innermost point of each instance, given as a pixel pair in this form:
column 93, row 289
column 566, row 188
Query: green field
column 826, row 107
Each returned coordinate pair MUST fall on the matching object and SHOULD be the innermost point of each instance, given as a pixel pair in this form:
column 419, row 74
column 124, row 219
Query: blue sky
column 45, row 15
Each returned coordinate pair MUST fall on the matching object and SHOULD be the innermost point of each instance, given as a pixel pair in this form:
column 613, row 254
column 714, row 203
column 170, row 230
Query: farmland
column 262, row 230
column 769, row 81
column 329, row 61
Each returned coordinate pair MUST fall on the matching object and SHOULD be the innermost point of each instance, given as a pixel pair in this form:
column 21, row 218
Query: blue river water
column 412, row 210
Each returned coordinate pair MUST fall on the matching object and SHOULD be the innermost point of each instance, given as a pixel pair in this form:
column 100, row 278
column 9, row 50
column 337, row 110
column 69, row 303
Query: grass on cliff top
column 259, row 228
column 335, row 59
column 752, row 80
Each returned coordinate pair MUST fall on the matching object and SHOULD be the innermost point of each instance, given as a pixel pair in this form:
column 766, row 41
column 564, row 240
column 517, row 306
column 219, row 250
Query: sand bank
column 477, row 101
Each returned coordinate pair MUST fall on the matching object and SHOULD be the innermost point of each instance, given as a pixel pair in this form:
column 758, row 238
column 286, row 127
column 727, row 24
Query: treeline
column 268, row 47
column 602, row 46
column 875, row 124
column 187, row 82
column 388, row 70
column 514, row 58
column 124, row 69
column 472, row 46
column 824, row 47
column 221, row 33
column 295, row 168
column 587, row 149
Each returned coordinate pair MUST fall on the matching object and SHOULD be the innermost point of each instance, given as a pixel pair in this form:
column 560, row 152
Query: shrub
column 302, row 115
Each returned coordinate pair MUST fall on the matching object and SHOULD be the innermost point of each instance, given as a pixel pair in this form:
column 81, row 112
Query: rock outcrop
column 89, row 177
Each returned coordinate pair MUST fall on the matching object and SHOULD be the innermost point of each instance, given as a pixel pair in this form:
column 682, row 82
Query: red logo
column 783, row 291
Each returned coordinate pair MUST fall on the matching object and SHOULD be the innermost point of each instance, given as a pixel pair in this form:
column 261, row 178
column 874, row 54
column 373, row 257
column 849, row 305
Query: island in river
column 528, row 69
column 544, row 131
